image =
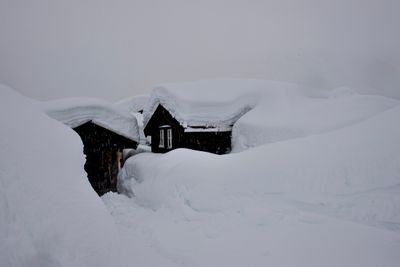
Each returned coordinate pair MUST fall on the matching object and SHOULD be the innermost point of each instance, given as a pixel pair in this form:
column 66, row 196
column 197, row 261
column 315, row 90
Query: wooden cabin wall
column 214, row 142
column 103, row 149
column 162, row 117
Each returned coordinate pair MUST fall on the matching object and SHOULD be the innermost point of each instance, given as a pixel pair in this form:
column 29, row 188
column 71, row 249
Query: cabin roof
column 78, row 111
column 212, row 104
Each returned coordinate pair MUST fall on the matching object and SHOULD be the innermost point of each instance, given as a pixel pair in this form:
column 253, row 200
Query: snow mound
column 77, row 111
column 49, row 214
column 283, row 117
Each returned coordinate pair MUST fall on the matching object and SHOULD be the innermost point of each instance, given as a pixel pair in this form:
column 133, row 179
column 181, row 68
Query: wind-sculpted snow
column 77, row 111
column 49, row 214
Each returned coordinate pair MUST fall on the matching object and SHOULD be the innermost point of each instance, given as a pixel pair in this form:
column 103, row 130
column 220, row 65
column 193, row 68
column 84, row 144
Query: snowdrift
column 347, row 161
column 49, row 214
column 326, row 194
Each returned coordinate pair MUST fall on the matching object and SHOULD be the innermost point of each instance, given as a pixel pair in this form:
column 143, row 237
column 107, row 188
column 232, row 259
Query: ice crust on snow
column 77, row 111
column 49, row 214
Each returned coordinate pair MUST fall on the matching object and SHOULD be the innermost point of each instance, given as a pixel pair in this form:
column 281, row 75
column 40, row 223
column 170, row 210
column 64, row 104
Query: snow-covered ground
column 49, row 214
column 327, row 195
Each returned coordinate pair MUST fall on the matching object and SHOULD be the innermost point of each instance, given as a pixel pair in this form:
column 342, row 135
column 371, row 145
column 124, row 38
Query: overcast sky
column 113, row 49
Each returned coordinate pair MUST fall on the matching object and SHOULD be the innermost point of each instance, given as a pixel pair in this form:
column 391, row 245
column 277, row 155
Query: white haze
column 114, row 49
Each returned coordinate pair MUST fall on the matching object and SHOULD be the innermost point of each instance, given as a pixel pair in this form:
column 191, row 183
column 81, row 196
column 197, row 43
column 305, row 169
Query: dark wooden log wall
column 103, row 150
column 214, row 142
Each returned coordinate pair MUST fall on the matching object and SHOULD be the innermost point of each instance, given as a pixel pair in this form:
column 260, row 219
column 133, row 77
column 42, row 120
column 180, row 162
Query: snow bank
column 283, row 117
column 263, row 111
column 49, row 214
column 353, row 159
column 77, row 111
column 302, row 202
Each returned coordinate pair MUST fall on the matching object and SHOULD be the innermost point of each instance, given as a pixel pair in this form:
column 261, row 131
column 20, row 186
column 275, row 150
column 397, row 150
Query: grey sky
column 115, row 49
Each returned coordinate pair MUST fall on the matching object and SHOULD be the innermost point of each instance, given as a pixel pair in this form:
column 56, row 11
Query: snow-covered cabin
column 196, row 115
column 105, row 131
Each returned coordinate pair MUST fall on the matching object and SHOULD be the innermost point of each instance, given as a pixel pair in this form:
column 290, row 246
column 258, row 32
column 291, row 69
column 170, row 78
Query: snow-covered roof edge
column 220, row 112
column 74, row 112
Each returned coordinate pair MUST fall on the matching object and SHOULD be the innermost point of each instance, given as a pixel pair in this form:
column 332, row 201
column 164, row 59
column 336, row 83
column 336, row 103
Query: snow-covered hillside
column 49, row 214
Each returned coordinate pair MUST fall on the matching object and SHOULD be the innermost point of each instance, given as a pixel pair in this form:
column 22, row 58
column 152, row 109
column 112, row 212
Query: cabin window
column 161, row 138
column 169, row 138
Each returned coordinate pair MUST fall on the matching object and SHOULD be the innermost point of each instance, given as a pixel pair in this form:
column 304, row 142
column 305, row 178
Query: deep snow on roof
column 263, row 111
column 133, row 104
column 77, row 111
column 209, row 103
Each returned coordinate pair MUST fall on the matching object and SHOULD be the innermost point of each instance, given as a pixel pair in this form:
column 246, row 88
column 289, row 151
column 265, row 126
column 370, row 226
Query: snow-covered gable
column 77, row 111
column 216, row 104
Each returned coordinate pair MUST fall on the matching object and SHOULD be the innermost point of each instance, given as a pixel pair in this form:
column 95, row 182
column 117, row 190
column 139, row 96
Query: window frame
column 169, row 138
column 161, row 143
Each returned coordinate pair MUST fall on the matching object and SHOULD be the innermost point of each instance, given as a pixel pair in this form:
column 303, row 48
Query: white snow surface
column 77, row 111
column 319, row 187
column 263, row 111
column 326, row 195
column 210, row 103
column 49, row 214
column 331, row 199
column 133, row 104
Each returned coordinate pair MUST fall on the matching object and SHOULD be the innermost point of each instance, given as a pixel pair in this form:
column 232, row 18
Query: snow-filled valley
column 314, row 180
